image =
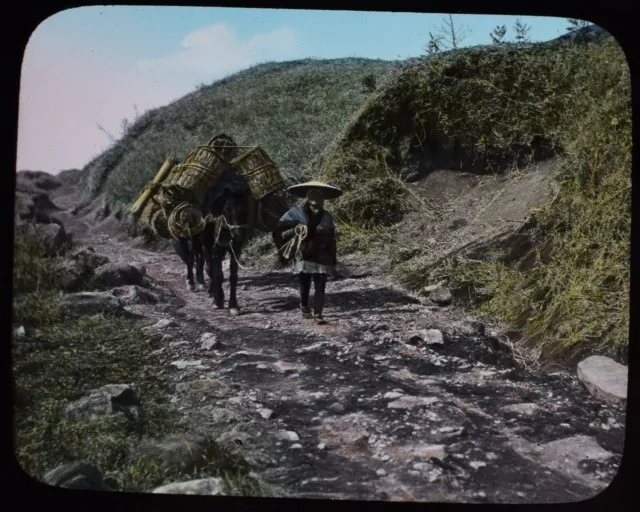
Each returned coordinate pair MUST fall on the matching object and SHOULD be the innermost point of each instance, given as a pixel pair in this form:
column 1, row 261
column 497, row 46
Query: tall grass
column 575, row 299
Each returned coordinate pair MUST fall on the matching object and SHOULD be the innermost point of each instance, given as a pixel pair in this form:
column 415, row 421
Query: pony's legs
column 233, row 280
column 199, row 257
column 188, row 252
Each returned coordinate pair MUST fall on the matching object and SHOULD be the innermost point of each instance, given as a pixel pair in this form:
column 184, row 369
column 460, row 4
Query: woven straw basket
column 204, row 166
column 259, row 171
column 153, row 216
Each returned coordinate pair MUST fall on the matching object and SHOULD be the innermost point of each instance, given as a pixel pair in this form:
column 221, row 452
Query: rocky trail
column 394, row 399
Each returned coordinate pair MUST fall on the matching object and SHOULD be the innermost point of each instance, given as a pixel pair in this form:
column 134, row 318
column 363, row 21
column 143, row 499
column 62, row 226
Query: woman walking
column 315, row 242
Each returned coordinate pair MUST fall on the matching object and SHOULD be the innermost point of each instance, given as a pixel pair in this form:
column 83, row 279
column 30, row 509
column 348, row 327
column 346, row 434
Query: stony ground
column 393, row 399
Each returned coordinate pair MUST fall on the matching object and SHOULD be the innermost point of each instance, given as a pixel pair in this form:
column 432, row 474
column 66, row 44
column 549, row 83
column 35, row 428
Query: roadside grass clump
column 35, row 278
column 373, row 196
column 58, row 363
column 292, row 110
column 59, row 358
column 575, row 297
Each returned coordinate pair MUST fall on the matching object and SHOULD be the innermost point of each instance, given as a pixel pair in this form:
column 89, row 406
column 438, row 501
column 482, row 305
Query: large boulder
column 104, row 401
column 113, row 275
column 203, row 486
column 604, row 378
column 34, row 206
column 37, row 180
column 92, row 303
column 77, row 475
column 51, row 238
column 78, row 269
column 54, row 237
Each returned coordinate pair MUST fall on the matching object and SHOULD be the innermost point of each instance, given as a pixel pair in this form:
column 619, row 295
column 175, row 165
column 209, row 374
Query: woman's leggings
column 319, row 283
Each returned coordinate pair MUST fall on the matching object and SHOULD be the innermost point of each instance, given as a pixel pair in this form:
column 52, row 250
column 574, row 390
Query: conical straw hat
column 301, row 189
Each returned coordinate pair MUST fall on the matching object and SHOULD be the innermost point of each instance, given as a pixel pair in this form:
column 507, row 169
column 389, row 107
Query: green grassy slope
column 494, row 109
column 292, row 110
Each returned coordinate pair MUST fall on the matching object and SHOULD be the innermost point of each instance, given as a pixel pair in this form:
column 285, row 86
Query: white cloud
column 214, row 51
column 65, row 92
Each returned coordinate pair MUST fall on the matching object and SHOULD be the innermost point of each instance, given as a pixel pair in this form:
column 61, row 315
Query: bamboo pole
column 152, row 188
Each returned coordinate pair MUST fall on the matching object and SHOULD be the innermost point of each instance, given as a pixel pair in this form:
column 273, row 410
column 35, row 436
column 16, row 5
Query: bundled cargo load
column 262, row 176
column 171, row 204
column 153, row 216
column 154, row 187
column 203, row 167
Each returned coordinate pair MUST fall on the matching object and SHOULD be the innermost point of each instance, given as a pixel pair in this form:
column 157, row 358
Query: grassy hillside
column 292, row 110
column 495, row 109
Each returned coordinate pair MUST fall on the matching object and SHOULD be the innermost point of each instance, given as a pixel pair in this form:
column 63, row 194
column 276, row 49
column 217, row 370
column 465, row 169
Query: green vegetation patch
column 575, row 298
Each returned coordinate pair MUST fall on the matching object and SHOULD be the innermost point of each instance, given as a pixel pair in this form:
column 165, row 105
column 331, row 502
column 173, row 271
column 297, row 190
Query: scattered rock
column 522, row 409
column 438, row 294
column 289, row 435
column 336, row 407
column 450, row 432
column 109, row 399
column 425, row 451
column 209, row 341
column 296, row 446
column 162, row 324
column 604, row 378
column 135, row 295
column 428, row 336
column 77, row 475
column 283, row 367
column 224, row 417
column 566, row 454
column 199, row 385
column 88, row 257
column 411, row 402
column 322, row 446
column 177, row 451
column 381, row 472
column 204, row 486
column 457, row 224
column 54, row 238
column 181, row 365
column 265, row 413
column 311, row 348
column 92, row 303
column 74, row 274
column 477, row 464
column 116, row 274
column 20, row 332
column 393, row 394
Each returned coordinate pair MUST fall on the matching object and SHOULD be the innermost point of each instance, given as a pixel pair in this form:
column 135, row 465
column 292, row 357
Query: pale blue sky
column 98, row 61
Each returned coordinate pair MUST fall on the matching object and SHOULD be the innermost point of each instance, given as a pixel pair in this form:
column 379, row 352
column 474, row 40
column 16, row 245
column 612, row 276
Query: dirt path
column 362, row 408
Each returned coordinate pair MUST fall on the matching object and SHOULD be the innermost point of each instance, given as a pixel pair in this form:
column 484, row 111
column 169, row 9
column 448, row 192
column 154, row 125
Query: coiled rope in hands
column 300, row 235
